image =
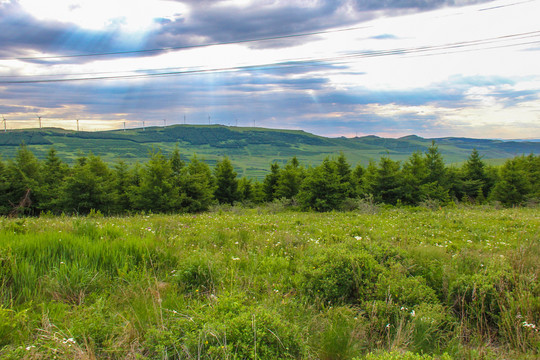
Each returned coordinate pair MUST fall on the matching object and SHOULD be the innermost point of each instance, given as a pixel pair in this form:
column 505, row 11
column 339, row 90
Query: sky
column 391, row 68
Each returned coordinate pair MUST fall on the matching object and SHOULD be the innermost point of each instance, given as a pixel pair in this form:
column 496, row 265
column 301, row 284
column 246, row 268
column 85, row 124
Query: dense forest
column 169, row 183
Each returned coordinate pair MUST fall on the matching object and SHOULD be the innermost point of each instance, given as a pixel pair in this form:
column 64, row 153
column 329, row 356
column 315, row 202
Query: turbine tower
column 4, row 119
column 39, row 118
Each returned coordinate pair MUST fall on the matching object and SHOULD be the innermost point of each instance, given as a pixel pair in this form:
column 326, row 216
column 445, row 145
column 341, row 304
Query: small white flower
column 413, row 313
column 235, row 259
column 358, row 237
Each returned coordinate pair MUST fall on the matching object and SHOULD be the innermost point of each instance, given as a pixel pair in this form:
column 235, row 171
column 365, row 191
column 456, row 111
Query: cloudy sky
column 335, row 68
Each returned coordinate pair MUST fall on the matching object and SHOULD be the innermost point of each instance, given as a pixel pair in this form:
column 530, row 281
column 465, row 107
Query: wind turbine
column 39, row 118
column 3, row 118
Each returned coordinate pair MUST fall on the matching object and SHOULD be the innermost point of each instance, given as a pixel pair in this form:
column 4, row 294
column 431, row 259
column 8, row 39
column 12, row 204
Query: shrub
column 338, row 275
column 197, row 275
column 396, row 355
column 337, row 333
column 477, row 298
column 403, row 290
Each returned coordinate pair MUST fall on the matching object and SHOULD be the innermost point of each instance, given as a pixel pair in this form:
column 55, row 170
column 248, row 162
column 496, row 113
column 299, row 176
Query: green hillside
column 250, row 149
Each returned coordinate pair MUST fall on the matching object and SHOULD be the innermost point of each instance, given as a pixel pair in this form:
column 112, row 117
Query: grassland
column 270, row 283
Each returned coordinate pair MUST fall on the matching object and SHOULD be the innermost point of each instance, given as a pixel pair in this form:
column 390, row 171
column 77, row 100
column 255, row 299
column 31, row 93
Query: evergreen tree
column 357, row 180
column 245, row 189
column 197, row 191
column 533, row 175
column 436, row 170
column 436, row 184
column 271, row 182
column 290, row 180
column 155, row 192
column 322, row 189
column 54, row 174
column 88, row 187
column 387, row 181
column 413, row 175
column 513, row 186
column 475, row 178
column 226, row 191
column 370, row 179
column 176, row 162
column 344, row 172
column 24, row 176
column 258, row 195
column 122, row 179
column 5, row 207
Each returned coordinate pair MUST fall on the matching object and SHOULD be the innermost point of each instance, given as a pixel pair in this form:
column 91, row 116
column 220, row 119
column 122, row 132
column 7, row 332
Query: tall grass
column 250, row 283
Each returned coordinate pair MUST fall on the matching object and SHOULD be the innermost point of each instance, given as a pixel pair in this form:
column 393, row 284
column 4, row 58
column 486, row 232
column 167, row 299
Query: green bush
column 403, row 290
column 339, row 275
column 433, row 328
column 477, row 298
column 197, row 275
column 395, row 355
column 337, row 333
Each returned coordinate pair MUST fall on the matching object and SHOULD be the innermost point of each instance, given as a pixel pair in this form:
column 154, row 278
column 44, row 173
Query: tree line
column 167, row 184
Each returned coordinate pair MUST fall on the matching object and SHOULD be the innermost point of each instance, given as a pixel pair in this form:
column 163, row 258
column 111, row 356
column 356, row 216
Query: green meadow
column 268, row 282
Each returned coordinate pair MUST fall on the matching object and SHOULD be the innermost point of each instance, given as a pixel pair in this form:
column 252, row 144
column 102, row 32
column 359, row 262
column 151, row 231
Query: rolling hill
column 250, row 149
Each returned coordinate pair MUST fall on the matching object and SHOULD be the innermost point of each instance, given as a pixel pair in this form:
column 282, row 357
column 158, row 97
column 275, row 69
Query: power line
column 184, row 47
column 414, row 51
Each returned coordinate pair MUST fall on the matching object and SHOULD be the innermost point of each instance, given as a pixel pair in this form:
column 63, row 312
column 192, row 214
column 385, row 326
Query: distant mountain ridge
column 250, row 149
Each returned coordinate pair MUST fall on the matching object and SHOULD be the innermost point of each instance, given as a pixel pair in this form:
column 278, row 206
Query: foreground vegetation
column 268, row 283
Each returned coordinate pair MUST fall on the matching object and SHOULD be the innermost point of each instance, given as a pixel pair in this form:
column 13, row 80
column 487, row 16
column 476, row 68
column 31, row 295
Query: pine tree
column 245, row 188
column 436, row 184
column 344, row 172
column 290, row 180
column 271, row 182
column 513, row 186
column 197, row 187
column 475, row 177
column 357, row 180
column 436, row 170
column 24, row 174
column 387, row 181
column 226, row 191
column 122, row 179
column 89, row 187
column 5, row 207
column 322, row 189
column 54, row 174
column 414, row 174
column 176, row 162
column 155, row 192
